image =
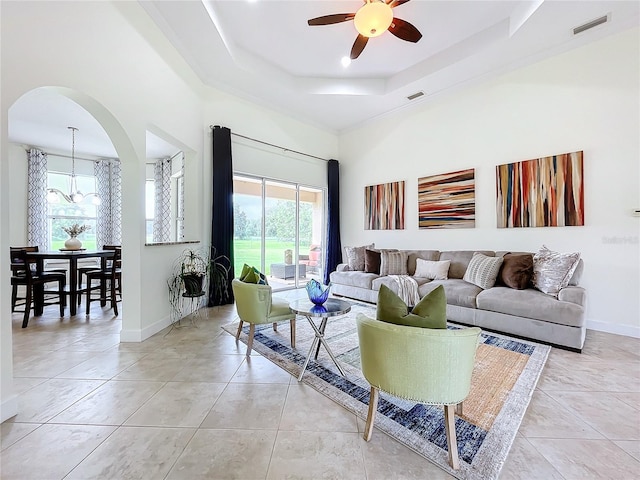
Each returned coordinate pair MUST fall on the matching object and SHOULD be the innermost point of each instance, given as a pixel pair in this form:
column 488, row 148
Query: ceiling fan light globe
column 77, row 197
column 373, row 19
column 96, row 200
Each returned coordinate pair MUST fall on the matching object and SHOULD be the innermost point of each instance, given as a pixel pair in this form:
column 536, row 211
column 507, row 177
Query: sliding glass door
column 279, row 229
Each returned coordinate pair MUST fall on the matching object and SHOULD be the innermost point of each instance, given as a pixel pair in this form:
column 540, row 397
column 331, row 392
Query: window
column 149, row 195
column 279, row 227
column 64, row 214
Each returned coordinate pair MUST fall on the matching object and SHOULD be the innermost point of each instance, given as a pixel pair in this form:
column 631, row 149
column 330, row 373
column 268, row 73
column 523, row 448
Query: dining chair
column 109, row 285
column 30, row 278
column 256, row 305
column 424, row 365
column 18, row 267
column 88, row 268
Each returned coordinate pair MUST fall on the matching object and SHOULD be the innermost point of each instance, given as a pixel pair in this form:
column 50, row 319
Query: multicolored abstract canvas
column 384, row 206
column 447, row 200
column 544, row 192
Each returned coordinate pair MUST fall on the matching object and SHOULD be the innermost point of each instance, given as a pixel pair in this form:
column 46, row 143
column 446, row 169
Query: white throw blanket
column 407, row 289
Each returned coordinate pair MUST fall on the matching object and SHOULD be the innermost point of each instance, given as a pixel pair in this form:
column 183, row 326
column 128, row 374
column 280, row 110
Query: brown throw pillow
column 516, row 270
column 372, row 261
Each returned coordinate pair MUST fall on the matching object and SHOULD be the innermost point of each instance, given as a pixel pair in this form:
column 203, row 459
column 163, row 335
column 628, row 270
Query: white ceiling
column 264, row 51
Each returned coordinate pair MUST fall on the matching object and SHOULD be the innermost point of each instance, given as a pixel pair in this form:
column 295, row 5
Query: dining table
column 72, row 256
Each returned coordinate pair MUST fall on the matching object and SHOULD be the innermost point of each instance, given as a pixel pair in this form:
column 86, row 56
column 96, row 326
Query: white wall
column 106, row 63
column 586, row 99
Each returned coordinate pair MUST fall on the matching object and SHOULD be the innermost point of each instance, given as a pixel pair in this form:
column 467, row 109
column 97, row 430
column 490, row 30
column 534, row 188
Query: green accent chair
column 256, row 305
column 431, row 366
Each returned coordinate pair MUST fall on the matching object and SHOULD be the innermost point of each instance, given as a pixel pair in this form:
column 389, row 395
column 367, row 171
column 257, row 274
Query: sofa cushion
column 372, row 261
column 355, row 257
column 482, row 270
column 460, row 260
column 516, row 271
column 552, row 271
column 353, row 279
column 430, row 312
column 577, row 275
column 434, row 270
column 393, row 263
column 458, row 292
column 531, row 303
column 413, row 255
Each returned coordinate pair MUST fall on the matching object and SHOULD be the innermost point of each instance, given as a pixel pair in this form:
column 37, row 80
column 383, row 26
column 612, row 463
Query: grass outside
column 248, row 251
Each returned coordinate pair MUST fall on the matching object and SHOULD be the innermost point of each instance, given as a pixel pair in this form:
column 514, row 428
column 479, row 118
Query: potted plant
column 194, row 267
column 220, row 268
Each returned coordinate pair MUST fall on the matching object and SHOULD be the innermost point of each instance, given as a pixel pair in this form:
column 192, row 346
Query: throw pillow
column 430, row 312
column 372, row 261
column 434, row 270
column 516, row 270
column 252, row 275
column 552, row 271
column 355, row 257
column 483, row 270
column 246, row 271
column 393, row 263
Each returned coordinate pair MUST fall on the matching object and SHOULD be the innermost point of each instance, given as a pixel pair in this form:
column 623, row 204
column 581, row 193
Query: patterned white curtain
column 109, row 212
column 181, row 201
column 162, row 215
column 37, row 222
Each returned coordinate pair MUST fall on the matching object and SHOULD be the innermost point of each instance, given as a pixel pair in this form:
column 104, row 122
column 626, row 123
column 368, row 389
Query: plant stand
column 192, row 307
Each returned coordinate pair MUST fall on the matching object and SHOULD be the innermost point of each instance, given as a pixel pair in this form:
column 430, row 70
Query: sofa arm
column 577, row 295
column 343, row 267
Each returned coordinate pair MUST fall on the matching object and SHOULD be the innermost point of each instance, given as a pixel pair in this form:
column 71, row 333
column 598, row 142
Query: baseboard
column 146, row 332
column 626, row 330
column 9, row 408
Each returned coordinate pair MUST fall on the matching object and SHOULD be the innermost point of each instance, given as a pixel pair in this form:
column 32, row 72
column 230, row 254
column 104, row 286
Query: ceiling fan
column 371, row 20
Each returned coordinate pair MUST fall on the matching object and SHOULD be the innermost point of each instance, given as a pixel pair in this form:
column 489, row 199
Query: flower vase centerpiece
column 316, row 292
column 72, row 243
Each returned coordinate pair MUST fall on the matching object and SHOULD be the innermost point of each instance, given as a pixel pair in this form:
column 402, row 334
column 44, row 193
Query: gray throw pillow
column 356, row 256
column 483, row 270
column 553, row 270
column 393, row 263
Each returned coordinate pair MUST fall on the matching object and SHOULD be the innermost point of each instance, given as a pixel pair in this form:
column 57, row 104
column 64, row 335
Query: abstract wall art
column 447, row 200
column 384, row 206
column 544, row 192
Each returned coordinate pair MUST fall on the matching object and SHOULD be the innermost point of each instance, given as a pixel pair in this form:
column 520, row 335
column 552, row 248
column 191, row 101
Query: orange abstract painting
column 544, row 192
column 447, row 200
column 384, row 206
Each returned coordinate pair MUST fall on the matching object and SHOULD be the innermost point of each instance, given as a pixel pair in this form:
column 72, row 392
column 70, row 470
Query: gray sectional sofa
column 526, row 313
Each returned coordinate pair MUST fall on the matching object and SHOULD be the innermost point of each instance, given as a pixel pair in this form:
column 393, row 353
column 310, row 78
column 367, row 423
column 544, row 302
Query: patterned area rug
column 504, row 377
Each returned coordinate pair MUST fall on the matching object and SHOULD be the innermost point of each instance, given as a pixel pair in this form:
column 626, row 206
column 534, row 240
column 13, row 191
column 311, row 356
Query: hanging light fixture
column 373, row 18
column 74, row 195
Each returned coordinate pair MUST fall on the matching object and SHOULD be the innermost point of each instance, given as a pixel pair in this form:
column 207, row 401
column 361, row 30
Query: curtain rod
column 69, row 156
column 274, row 146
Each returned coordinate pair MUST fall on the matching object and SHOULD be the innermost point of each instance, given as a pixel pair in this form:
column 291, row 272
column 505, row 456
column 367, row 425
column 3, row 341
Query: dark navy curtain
column 222, row 214
column 334, row 249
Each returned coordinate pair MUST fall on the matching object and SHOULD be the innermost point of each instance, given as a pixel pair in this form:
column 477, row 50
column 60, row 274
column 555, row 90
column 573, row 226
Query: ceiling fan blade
column 395, row 3
column 358, row 46
column 331, row 19
column 404, row 30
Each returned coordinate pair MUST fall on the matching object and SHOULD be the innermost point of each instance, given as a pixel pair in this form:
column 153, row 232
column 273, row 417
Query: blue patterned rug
column 504, row 379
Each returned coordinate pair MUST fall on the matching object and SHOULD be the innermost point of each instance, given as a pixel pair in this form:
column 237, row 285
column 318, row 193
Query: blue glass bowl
column 317, row 293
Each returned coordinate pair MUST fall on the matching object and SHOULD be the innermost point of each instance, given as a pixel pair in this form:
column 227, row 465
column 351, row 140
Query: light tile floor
column 188, row 404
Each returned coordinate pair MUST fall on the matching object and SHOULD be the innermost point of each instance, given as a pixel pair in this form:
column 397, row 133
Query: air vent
column 415, row 95
column 591, row 24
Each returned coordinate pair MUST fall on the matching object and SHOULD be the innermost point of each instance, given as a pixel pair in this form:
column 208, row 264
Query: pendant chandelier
column 74, row 195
